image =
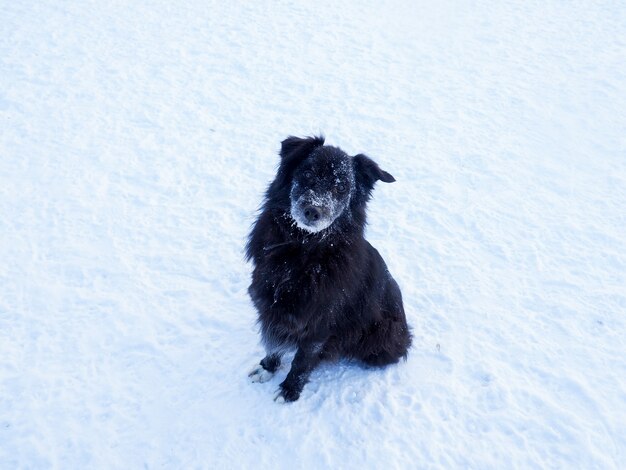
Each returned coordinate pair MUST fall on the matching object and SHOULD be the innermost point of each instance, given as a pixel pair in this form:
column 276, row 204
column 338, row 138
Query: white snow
column 136, row 140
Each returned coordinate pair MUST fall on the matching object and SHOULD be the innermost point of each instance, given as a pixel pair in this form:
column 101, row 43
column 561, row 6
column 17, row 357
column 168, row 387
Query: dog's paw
column 259, row 374
column 279, row 398
column 286, row 395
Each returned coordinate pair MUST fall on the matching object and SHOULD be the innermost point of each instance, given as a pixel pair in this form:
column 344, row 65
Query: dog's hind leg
column 264, row 371
column 387, row 342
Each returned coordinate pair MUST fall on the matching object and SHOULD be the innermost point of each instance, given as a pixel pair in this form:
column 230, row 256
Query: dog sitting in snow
column 319, row 287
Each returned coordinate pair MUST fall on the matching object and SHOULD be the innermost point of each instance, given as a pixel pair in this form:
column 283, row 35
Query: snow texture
column 136, row 140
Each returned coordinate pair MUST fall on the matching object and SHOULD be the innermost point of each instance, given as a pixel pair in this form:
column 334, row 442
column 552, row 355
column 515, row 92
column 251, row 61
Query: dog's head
column 323, row 183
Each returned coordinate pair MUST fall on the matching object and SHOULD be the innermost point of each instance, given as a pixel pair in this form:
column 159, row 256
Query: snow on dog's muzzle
column 313, row 213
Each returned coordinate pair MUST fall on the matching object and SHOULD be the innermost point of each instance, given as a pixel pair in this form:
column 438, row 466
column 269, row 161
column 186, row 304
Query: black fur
column 326, row 293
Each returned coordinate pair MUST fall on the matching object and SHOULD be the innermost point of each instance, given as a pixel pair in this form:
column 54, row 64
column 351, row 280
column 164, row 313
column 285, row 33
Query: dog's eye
column 308, row 174
column 342, row 188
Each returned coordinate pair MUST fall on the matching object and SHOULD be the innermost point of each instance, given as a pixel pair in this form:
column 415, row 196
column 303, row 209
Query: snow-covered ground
column 136, row 140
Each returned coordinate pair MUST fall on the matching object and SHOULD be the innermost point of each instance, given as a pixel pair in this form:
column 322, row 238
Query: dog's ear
column 293, row 149
column 368, row 171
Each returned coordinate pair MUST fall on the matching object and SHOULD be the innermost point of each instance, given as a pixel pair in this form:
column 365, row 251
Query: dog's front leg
column 264, row 371
column 306, row 359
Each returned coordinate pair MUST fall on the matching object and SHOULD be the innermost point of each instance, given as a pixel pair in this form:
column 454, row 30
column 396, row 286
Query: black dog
column 319, row 287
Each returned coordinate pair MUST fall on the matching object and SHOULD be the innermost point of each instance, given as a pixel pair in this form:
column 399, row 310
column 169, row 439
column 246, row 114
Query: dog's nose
column 312, row 213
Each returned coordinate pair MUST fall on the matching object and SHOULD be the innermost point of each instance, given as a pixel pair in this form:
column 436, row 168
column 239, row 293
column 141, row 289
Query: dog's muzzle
column 311, row 216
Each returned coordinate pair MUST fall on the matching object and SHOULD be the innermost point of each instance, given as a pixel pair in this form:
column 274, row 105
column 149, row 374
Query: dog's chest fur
column 301, row 291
